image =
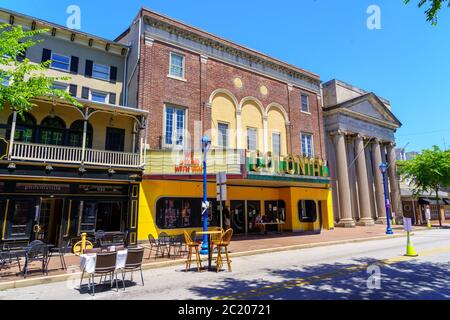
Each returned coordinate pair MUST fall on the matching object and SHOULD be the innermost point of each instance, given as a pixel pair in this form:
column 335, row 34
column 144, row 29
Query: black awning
column 432, row 201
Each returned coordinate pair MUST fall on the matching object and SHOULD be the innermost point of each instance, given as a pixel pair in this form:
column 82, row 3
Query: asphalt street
column 364, row 270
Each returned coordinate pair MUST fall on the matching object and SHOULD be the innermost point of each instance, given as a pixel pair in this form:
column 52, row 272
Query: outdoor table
column 88, row 260
column 279, row 224
column 210, row 234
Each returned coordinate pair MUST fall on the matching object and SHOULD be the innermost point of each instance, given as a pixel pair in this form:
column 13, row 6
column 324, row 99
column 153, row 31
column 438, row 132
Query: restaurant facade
column 65, row 170
column 264, row 119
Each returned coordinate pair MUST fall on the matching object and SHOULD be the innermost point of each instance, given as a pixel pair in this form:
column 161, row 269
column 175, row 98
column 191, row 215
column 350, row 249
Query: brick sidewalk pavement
column 240, row 245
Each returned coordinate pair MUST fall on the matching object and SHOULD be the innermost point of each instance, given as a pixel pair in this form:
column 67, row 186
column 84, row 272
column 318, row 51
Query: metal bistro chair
column 36, row 251
column 133, row 263
column 179, row 245
column 60, row 251
column 164, row 242
column 223, row 244
column 105, row 264
column 192, row 246
column 99, row 238
column 155, row 246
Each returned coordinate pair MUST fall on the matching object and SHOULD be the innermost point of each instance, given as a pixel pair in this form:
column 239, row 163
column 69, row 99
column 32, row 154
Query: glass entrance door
column 253, row 210
column 50, row 220
column 237, row 213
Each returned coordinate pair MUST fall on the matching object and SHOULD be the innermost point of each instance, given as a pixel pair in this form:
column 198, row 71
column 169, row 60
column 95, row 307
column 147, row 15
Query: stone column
column 378, row 178
column 393, row 181
column 363, row 184
column 345, row 210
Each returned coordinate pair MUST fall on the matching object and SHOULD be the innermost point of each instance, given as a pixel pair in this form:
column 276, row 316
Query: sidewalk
column 240, row 246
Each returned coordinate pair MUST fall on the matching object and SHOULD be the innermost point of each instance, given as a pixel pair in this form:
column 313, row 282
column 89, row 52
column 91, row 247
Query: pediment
column 368, row 106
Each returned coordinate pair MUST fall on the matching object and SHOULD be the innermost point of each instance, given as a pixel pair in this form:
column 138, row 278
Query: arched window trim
column 54, row 135
column 25, row 132
column 76, row 132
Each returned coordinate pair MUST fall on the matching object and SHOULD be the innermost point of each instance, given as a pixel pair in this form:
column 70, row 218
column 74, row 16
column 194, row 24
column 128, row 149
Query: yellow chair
column 223, row 244
column 192, row 245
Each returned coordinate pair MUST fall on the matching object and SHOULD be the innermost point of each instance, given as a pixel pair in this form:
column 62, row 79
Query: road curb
column 156, row 265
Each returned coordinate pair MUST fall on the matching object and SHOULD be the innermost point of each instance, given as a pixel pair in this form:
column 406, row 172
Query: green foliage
column 27, row 80
column 434, row 6
column 429, row 171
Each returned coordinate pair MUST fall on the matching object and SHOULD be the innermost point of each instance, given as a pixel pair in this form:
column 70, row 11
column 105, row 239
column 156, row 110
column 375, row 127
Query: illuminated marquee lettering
column 290, row 164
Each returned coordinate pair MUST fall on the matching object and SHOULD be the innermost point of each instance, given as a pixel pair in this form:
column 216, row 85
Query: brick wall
column 202, row 79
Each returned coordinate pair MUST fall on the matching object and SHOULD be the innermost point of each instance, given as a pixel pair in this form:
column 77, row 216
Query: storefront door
column 50, row 217
column 237, row 213
column 19, row 220
column 243, row 215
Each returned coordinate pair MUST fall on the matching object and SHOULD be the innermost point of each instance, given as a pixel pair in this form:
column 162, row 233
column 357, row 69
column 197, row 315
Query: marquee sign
column 286, row 165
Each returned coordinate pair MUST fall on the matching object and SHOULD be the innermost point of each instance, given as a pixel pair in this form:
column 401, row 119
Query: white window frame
column 256, row 138
column 104, row 66
column 60, row 84
column 185, row 122
column 227, row 137
column 301, row 103
column 91, row 91
column 62, row 55
column 278, row 133
column 312, row 143
column 170, row 75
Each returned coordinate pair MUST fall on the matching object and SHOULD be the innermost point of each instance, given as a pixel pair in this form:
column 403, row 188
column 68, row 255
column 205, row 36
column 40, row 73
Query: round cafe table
column 210, row 247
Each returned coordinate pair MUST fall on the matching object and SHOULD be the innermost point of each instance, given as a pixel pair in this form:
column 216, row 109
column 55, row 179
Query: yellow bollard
column 428, row 224
column 410, row 251
column 83, row 242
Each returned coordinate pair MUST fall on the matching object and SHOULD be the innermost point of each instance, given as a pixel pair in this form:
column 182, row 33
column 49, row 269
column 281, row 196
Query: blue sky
column 407, row 61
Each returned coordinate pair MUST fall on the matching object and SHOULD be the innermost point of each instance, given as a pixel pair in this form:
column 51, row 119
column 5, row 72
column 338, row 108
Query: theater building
column 264, row 118
column 65, row 170
column 360, row 128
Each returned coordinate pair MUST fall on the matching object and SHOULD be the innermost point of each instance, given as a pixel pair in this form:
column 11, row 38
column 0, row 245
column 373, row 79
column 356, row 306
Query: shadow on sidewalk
column 404, row 280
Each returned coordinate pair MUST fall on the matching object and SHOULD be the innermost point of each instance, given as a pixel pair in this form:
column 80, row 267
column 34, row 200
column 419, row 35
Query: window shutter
column 73, row 90
column 46, row 55
column 89, row 67
column 74, row 64
column 113, row 74
column 112, row 98
column 85, row 93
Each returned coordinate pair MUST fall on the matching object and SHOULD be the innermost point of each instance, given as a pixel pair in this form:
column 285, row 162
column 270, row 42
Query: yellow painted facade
column 152, row 190
column 252, row 117
column 223, row 110
column 99, row 122
column 276, row 124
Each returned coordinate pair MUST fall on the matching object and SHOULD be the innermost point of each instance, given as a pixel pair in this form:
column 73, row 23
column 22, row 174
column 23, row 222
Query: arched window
column 25, row 127
column 52, row 131
column 76, row 134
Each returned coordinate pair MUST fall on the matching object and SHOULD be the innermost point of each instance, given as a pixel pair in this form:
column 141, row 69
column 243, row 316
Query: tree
column 434, row 6
column 21, row 80
column 428, row 171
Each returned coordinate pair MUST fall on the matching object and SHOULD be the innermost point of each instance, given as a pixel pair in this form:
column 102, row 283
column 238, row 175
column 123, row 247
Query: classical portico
column 360, row 131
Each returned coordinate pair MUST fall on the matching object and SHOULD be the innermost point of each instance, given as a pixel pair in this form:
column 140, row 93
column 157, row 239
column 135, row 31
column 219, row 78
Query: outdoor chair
column 223, row 245
column 133, row 263
column 36, row 251
column 164, row 242
column 60, row 251
column 99, row 237
column 192, row 246
column 105, row 264
column 179, row 245
column 155, row 245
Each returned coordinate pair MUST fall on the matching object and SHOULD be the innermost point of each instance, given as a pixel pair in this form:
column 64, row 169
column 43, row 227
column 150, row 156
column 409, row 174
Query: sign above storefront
column 42, row 188
column 286, row 165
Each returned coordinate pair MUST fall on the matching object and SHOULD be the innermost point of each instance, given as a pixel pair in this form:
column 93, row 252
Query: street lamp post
column 206, row 143
column 383, row 169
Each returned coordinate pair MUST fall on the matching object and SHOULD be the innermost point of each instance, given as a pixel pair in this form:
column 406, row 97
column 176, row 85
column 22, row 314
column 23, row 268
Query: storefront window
column 100, row 215
column 307, row 211
column 21, row 219
column 173, row 213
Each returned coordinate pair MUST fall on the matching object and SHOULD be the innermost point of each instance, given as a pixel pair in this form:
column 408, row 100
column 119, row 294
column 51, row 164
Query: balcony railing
column 74, row 155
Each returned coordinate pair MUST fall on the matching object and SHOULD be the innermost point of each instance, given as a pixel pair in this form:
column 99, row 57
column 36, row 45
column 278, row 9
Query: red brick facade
column 203, row 77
